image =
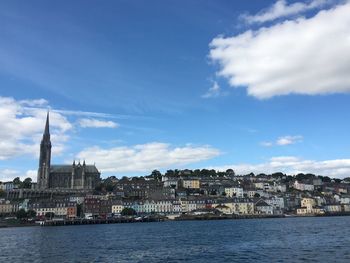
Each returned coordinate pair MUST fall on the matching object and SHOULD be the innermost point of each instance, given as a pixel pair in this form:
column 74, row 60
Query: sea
column 299, row 239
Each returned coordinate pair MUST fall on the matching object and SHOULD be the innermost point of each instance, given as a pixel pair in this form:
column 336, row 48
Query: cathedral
column 74, row 176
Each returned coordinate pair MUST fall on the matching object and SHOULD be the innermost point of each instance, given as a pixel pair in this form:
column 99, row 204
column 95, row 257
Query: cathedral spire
column 45, row 157
column 47, row 125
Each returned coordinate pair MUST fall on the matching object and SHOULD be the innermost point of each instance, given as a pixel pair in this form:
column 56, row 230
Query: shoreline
column 158, row 219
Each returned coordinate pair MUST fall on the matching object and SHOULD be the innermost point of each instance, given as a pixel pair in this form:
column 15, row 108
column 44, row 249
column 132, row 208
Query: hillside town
column 76, row 191
column 180, row 193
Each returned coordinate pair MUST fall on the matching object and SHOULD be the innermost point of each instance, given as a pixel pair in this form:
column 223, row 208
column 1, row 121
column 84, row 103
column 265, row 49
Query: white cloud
column 304, row 56
column 22, row 128
column 33, row 103
column 283, row 140
column 282, row 9
column 7, row 175
column 31, row 174
column 95, row 123
column 213, row 92
column 286, row 140
column 23, row 123
column 145, row 157
column 338, row 168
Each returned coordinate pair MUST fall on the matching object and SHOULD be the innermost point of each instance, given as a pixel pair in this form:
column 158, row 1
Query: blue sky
column 133, row 86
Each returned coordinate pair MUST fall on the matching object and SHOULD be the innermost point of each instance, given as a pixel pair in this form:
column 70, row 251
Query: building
column 59, row 209
column 8, row 186
column 75, row 176
column 238, row 206
column 234, row 192
column 190, row 183
column 332, row 208
column 117, row 207
column 224, row 209
column 276, row 202
column 262, row 207
column 7, row 207
column 308, row 206
column 303, row 186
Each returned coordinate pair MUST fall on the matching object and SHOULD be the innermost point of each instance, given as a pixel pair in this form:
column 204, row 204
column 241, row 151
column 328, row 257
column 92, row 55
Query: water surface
column 311, row 239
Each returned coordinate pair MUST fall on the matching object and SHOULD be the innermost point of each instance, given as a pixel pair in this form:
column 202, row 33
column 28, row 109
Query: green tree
column 277, row 175
column 169, row 173
column 17, row 181
column 257, row 195
column 21, row 214
column 230, row 172
column 221, row 174
column 156, row 175
column 31, row 213
column 196, row 173
column 127, row 211
column 109, row 188
column 27, row 183
column 79, row 210
column 325, row 179
column 2, row 193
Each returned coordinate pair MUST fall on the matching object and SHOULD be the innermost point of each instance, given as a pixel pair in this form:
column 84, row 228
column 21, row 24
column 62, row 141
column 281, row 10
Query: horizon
column 257, row 87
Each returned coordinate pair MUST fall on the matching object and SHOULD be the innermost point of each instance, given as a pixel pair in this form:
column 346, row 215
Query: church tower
column 45, row 158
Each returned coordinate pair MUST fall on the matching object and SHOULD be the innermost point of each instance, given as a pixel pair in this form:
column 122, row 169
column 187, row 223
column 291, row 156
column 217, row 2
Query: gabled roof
column 68, row 168
column 261, row 203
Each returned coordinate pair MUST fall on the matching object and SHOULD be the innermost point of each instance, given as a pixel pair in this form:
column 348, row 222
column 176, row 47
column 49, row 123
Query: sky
column 133, row 86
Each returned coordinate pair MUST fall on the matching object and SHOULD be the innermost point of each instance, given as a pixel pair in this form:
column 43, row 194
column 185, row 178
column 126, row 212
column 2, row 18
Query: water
column 324, row 239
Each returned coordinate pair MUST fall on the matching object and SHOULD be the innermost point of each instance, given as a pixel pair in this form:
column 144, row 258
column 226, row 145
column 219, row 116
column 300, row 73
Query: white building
column 234, row 192
column 344, row 199
column 276, row 202
column 303, row 186
column 262, row 207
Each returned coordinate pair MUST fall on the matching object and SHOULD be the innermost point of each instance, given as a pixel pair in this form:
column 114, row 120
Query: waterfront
column 310, row 239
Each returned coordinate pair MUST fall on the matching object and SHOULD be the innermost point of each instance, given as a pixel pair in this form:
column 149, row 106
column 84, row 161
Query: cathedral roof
column 67, row 168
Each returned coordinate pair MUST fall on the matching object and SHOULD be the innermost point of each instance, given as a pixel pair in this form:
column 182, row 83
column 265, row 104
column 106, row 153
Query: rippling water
column 324, row 239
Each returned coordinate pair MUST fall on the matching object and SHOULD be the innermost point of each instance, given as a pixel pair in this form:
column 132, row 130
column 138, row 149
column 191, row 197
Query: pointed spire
column 84, row 163
column 47, row 125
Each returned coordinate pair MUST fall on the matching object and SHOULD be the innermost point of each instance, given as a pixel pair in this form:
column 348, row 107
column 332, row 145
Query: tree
column 277, row 175
column 21, row 214
column 127, row 211
column 156, row 175
column 257, row 195
column 230, row 172
column 221, row 174
column 17, row 181
column 169, row 173
column 27, row 183
column 196, row 173
column 325, row 179
column 31, row 214
column 79, row 210
column 2, row 193
column 109, row 188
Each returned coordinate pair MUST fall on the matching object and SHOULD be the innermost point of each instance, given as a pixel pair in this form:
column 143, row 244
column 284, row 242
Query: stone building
column 75, row 176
